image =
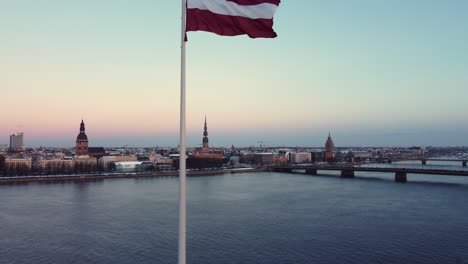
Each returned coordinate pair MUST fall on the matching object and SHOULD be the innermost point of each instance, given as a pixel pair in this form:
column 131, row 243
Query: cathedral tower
column 82, row 141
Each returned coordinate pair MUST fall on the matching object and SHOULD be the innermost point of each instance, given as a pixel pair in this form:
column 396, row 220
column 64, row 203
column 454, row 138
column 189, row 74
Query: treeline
column 15, row 170
column 50, row 169
column 2, row 162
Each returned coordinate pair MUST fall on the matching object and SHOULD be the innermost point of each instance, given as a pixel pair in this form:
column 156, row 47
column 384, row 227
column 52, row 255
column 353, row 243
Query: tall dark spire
column 205, row 135
column 82, row 126
column 205, row 132
column 82, row 134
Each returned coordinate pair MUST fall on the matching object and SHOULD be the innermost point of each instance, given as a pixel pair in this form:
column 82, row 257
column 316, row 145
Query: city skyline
column 349, row 68
column 226, row 141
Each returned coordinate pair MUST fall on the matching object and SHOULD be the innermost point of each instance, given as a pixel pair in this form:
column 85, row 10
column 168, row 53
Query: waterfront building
column 163, row 164
column 132, row 166
column 280, row 160
column 317, row 155
column 84, row 160
column 234, row 160
column 301, row 157
column 106, row 161
column 82, row 141
column 18, row 162
column 360, row 155
column 126, row 158
column 257, row 158
column 62, row 164
column 127, row 166
column 16, row 141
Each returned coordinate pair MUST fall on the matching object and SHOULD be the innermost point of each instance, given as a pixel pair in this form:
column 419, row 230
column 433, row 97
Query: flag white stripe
column 223, row 7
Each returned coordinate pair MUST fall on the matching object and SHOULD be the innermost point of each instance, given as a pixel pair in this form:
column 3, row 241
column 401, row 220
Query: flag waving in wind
column 232, row 17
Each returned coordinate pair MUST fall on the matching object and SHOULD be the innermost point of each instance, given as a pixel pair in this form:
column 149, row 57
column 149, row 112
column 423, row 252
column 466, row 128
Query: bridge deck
column 391, row 170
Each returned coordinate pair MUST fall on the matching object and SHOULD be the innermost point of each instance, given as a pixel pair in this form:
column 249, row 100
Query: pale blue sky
column 372, row 72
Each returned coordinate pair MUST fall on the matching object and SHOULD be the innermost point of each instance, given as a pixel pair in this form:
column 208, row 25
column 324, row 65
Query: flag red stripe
column 255, row 2
column 224, row 25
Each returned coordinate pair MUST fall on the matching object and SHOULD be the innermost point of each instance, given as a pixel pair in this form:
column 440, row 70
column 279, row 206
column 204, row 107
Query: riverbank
column 99, row 177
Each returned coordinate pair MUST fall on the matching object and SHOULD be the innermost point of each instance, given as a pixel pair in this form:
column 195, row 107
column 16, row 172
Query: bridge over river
column 349, row 171
column 424, row 161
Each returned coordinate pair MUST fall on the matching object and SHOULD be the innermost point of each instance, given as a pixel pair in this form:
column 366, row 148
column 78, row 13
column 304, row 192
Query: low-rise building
column 18, row 162
column 257, row 158
column 44, row 163
column 301, row 157
column 106, row 161
column 132, row 166
column 84, row 160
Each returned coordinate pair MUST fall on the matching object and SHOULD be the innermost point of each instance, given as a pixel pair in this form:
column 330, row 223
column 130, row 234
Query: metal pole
column 182, row 151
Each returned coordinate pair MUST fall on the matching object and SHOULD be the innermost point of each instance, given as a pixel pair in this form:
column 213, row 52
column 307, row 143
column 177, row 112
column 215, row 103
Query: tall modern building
column 16, row 141
column 205, row 136
column 82, row 141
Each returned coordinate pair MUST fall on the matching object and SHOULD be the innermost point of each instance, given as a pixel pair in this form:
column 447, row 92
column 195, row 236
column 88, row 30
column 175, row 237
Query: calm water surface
column 244, row 218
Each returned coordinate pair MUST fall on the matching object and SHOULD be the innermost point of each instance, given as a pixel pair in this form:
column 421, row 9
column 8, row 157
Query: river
column 239, row 218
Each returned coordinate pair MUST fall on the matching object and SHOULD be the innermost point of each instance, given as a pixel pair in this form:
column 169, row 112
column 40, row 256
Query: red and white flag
column 232, row 17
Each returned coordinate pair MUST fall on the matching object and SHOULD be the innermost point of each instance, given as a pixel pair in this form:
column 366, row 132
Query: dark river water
column 239, row 218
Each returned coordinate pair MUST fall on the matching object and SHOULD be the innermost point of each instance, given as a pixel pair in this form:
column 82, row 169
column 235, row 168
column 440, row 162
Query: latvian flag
column 232, row 17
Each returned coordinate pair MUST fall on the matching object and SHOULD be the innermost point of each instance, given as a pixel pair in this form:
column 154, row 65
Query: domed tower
column 82, row 141
column 329, row 145
column 205, row 136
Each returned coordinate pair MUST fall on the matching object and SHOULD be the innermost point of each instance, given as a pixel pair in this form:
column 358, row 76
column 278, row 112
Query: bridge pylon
column 311, row 171
column 400, row 177
column 347, row 173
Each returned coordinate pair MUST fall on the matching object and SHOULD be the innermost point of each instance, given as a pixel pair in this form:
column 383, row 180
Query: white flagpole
column 182, row 151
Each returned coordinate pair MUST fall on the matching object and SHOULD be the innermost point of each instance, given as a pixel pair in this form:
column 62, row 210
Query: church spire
column 82, row 126
column 205, row 135
column 205, row 128
column 82, row 141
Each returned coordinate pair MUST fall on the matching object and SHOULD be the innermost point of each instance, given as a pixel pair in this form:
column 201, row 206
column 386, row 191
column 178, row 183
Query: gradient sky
column 373, row 72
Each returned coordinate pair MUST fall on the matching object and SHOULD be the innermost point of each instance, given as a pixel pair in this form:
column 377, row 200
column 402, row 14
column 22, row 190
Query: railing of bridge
column 378, row 165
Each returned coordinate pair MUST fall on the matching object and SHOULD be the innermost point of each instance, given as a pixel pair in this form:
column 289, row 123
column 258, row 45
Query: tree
column 48, row 168
column 111, row 166
column 151, row 168
column 100, row 168
column 38, row 169
column 2, row 162
column 68, row 169
column 6, row 170
column 18, row 170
